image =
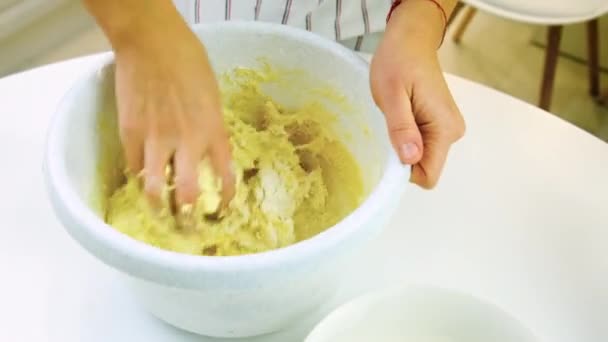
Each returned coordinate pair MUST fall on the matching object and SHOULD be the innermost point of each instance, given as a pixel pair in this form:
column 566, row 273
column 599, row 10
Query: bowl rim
column 146, row 261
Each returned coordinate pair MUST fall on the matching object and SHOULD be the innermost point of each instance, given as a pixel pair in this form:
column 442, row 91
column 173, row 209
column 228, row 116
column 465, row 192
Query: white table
column 520, row 219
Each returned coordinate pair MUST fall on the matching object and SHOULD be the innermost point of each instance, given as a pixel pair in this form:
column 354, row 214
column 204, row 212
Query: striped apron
column 355, row 23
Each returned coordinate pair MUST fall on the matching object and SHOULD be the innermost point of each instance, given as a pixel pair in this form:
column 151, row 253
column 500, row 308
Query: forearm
column 129, row 21
column 422, row 21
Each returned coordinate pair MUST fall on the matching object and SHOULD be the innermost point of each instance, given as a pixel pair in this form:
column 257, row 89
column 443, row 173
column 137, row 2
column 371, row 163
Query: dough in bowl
column 295, row 178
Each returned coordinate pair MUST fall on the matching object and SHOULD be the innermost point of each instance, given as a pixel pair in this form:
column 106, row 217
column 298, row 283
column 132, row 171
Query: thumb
column 394, row 101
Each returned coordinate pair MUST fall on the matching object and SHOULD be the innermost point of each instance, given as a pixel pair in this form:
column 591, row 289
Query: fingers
column 132, row 142
column 421, row 139
column 445, row 128
column 133, row 149
column 186, row 168
column 426, row 172
column 157, row 154
column 187, row 159
column 394, row 101
column 186, row 174
column 221, row 159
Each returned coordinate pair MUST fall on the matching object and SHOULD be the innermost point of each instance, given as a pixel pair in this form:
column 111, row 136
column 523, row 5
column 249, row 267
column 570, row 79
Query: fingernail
column 409, row 151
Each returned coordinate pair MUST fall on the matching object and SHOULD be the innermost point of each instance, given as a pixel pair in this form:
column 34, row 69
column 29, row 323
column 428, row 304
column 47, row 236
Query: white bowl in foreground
column 231, row 296
column 421, row 314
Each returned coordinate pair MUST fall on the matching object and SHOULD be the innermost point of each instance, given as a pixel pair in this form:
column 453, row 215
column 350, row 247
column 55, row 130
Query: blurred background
column 509, row 45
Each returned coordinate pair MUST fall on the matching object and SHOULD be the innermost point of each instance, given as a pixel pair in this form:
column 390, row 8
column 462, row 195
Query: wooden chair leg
column 554, row 35
column 457, row 9
column 603, row 100
column 593, row 57
column 464, row 23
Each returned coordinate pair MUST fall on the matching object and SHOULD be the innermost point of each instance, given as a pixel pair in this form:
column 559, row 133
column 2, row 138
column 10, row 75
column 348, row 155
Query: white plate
column 421, row 314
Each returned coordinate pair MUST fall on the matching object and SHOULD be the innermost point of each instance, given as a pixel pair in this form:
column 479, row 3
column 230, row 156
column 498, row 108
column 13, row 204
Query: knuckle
column 451, row 127
column 381, row 82
column 133, row 161
column 427, row 182
column 130, row 127
column 458, row 128
column 186, row 184
column 188, row 140
column 162, row 141
column 186, row 195
column 390, row 80
column 423, row 178
column 192, row 146
column 162, row 133
column 401, row 127
column 152, row 191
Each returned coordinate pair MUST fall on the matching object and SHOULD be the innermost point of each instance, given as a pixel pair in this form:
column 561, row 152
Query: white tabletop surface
column 520, row 219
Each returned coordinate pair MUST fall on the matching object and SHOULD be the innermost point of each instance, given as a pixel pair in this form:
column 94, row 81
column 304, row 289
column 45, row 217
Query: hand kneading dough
column 294, row 180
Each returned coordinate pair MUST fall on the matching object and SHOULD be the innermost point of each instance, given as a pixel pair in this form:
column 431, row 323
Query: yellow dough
column 294, row 180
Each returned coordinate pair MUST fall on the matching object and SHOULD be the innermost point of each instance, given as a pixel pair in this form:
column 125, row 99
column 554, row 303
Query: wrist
column 132, row 24
column 420, row 23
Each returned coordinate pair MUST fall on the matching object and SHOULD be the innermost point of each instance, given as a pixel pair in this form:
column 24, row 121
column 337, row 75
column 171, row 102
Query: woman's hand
column 169, row 107
column 168, row 100
column 408, row 85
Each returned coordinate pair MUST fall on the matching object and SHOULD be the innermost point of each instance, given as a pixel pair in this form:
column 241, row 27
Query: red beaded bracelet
column 444, row 15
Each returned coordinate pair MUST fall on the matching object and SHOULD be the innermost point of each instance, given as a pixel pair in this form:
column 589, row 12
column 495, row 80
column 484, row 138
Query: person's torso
column 335, row 19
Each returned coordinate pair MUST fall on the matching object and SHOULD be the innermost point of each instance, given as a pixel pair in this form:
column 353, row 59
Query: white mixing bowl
column 230, row 296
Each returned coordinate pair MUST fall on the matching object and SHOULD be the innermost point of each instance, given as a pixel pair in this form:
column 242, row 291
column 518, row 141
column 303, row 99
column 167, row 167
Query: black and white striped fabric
column 343, row 20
